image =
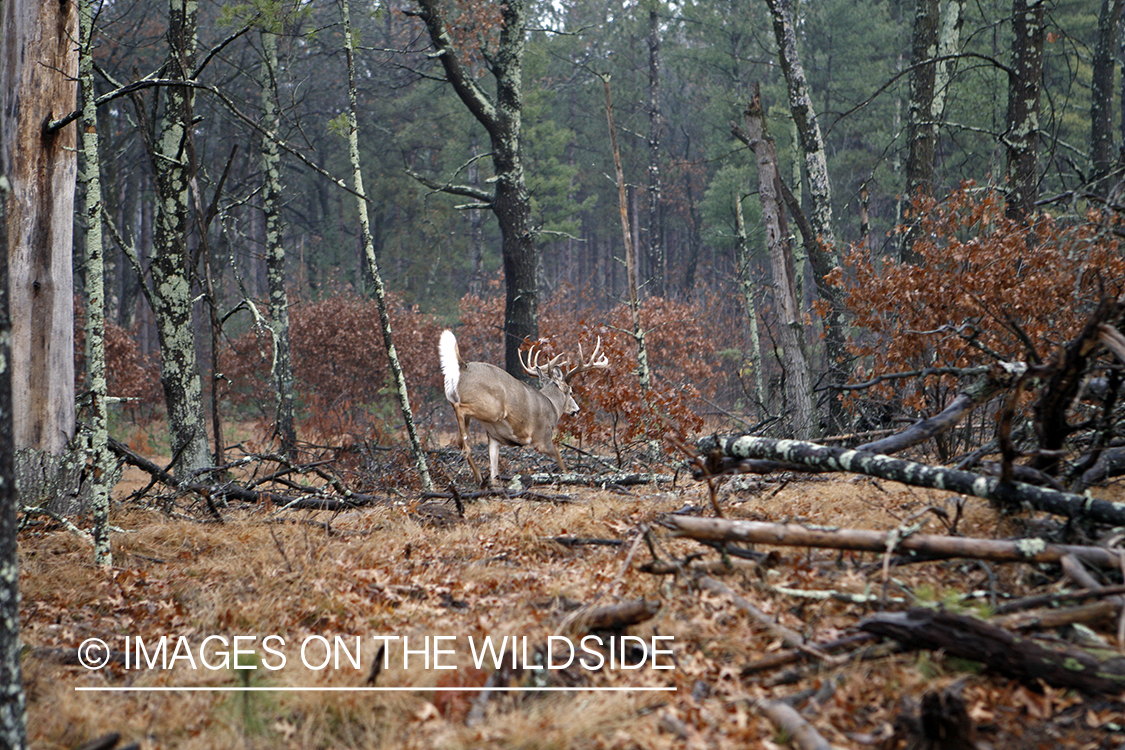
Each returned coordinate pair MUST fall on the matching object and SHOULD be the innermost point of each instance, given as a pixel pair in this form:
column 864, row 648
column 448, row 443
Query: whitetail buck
column 511, row 412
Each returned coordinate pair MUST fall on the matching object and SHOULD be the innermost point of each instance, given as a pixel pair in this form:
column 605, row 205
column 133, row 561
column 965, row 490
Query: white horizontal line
column 256, row 689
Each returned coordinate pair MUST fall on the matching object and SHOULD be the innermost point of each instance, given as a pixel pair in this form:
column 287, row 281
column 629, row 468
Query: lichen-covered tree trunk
column 1101, row 103
column 808, row 129
column 99, row 459
column 656, row 250
column 1010, row 494
column 510, row 202
column 1024, row 86
column 798, row 384
column 13, row 702
column 373, row 261
column 37, row 74
column 281, row 369
column 170, row 295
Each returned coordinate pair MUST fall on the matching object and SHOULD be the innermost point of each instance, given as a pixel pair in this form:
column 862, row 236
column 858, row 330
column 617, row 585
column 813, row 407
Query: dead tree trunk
column 798, row 387
column 37, row 77
column 13, row 701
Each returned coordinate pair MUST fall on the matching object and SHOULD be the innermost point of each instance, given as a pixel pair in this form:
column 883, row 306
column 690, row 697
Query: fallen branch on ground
column 932, row 545
column 790, row 722
column 1001, row 651
column 232, row 491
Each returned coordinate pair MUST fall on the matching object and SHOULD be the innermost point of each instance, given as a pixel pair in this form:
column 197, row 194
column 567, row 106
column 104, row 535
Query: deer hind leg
column 463, row 434
column 493, row 458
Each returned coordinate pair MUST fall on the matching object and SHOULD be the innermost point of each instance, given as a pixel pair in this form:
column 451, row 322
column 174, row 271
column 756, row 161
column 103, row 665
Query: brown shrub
column 341, row 372
column 987, row 288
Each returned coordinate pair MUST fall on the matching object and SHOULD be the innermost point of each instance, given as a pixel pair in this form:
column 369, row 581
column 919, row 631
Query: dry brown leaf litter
column 382, row 570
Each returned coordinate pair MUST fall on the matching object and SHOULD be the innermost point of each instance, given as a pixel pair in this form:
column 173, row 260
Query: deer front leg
column 553, row 451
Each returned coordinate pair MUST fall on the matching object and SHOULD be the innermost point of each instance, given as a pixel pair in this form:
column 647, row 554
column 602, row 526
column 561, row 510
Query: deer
column 511, row 411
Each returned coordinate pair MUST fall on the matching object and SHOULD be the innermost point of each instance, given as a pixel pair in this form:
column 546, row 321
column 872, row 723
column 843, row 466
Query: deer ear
column 557, row 374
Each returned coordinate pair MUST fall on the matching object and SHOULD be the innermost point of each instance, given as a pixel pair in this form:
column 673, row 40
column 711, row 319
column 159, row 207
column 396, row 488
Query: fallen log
column 825, row 458
column 931, row 545
column 1000, row 651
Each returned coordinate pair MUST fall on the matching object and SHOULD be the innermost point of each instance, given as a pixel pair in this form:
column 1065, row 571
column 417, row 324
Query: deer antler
column 597, row 361
column 532, row 367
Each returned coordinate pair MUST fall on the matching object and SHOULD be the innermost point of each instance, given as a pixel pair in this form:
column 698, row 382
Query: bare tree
column 817, row 232
column 501, row 116
column 373, row 260
column 281, row 368
column 656, row 250
column 644, row 374
column 170, row 295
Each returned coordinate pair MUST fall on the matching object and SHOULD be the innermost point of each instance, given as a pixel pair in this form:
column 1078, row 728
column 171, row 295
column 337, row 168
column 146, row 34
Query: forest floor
column 518, row 567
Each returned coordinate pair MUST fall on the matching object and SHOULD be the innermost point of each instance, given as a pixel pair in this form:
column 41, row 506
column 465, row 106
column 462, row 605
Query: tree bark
column 921, row 133
column 510, row 201
column 798, row 388
column 281, row 367
column 1024, row 84
column 40, row 65
column 13, row 701
column 373, row 262
column 170, row 294
column 808, row 129
column 1102, row 155
column 99, row 455
column 1012, row 494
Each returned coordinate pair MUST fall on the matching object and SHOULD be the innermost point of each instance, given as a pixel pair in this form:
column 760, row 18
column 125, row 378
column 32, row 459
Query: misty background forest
column 273, row 95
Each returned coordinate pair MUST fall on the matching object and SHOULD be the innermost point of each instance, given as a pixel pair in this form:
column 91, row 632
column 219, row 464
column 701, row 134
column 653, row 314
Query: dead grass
column 383, row 571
